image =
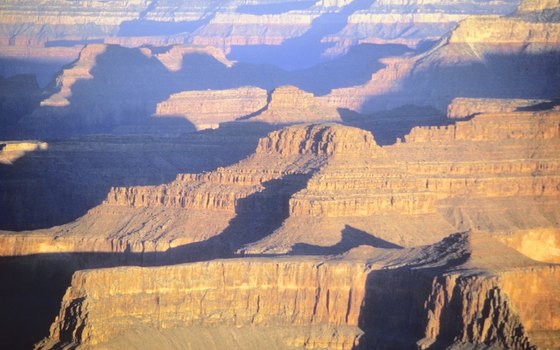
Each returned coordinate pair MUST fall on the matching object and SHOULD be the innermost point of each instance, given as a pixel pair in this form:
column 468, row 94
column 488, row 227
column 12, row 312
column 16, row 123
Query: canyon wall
column 207, row 109
column 337, row 176
column 466, row 107
column 360, row 306
column 25, row 25
column 261, row 294
column 506, row 56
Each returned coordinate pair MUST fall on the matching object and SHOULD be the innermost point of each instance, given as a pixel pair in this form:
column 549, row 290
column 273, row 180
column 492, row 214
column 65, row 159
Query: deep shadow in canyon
column 351, row 237
column 524, row 76
column 305, row 50
column 127, row 85
column 52, row 187
column 393, row 314
column 35, row 284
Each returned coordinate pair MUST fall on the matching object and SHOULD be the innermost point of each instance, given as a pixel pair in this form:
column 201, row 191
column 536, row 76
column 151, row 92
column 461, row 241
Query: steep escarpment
column 320, row 140
column 253, row 293
column 323, row 304
column 337, row 180
column 197, row 207
column 55, row 28
column 58, row 183
column 435, row 181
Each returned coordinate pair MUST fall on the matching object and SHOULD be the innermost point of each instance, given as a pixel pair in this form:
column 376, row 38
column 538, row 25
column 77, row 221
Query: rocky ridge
column 289, row 105
column 467, row 107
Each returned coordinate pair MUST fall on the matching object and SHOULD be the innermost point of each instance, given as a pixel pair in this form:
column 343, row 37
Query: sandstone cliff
column 289, row 105
column 25, row 25
column 324, row 304
column 339, row 179
column 465, row 107
column 207, row 109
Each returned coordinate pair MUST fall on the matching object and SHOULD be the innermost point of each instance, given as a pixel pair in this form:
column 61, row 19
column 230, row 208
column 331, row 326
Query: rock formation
column 11, row 151
column 337, row 177
column 207, row 109
column 328, row 189
column 58, row 29
column 225, row 175
column 289, row 105
column 305, row 303
column 467, row 107
column 484, row 56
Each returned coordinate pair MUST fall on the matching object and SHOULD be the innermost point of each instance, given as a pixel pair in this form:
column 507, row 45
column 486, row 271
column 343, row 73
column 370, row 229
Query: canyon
column 332, row 174
column 388, row 214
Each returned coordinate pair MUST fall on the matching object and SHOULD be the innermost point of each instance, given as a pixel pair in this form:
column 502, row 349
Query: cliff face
column 465, row 107
column 207, row 109
column 289, row 105
column 320, row 140
column 261, row 294
column 362, row 306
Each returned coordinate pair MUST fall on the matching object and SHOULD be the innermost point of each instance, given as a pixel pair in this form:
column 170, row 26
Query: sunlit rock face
column 466, row 107
column 207, row 109
column 279, row 174
column 338, row 181
column 314, row 304
column 289, row 105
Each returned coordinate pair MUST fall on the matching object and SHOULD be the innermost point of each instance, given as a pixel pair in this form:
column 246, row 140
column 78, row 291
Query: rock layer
column 359, row 303
column 207, row 109
column 289, row 105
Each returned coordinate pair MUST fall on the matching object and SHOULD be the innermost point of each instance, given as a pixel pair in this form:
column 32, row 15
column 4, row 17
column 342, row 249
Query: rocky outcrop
column 11, row 151
column 493, row 127
column 338, row 177
column 240, row 22
column 506, row 30
column 172, row 59
column 207, row 109
column 468, row 302
column 261, row 294
column 289, row 105
column 320, row 140
column 466, row 107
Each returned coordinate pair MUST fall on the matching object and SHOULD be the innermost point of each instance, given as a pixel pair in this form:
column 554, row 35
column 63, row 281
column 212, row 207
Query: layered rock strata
column 339, row 181
column 289, row 105
column 466, row 107
column 207, row 109
column 25, row 26
column 357, row 302
column 434, row 179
